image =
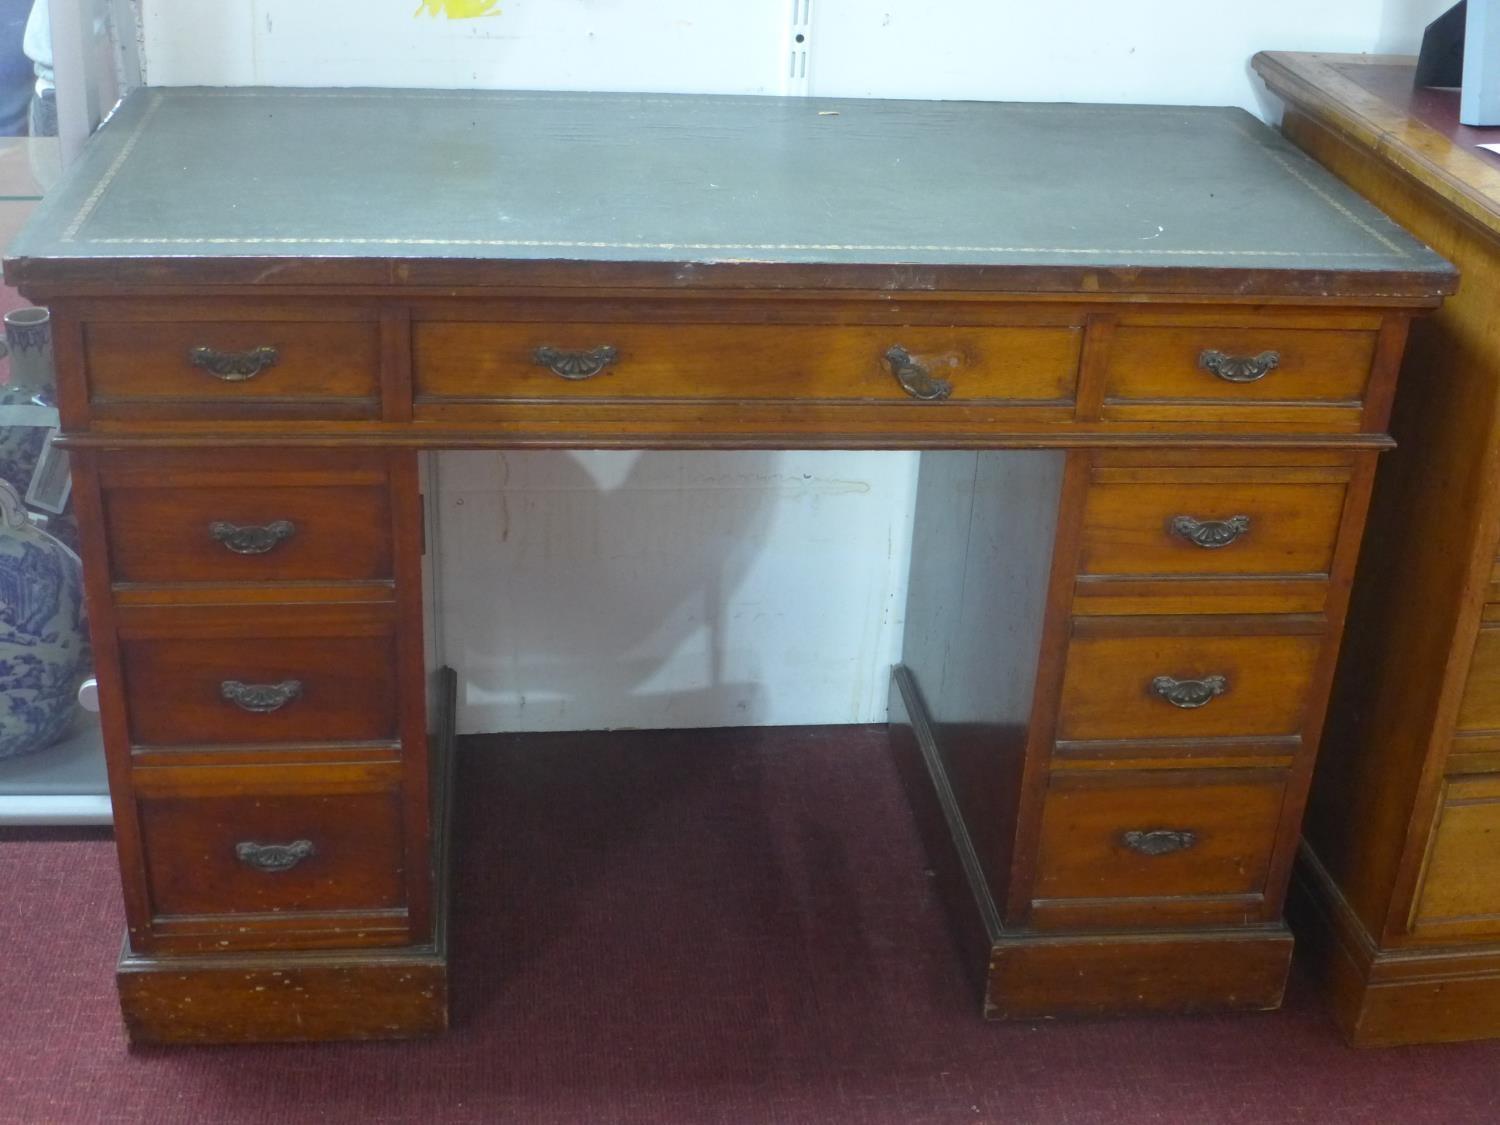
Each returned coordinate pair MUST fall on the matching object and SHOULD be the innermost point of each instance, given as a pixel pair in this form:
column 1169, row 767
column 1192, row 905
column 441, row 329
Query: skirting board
column 1390, row 997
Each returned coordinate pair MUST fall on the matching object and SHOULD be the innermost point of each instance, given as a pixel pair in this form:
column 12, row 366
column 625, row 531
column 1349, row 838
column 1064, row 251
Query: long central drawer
column 482, row 361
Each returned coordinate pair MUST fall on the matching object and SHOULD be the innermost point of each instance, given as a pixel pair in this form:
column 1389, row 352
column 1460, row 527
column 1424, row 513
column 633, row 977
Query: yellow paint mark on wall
column 458, row 9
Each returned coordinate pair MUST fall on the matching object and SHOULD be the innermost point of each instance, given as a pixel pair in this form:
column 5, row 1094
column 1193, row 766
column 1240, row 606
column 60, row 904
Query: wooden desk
column 1400, row 871
column 1150, row 353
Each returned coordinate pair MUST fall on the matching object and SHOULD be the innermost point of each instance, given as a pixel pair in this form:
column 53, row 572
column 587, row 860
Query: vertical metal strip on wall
column 796, row 72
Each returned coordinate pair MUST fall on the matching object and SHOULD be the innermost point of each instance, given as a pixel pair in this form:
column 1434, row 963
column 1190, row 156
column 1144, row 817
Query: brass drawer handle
column 274, row 857
column 1159, row 841
column 234, row 367
column 914, row 377
column 260, row 698
column 1239, row 368
column 584, row 363
column 1189, row 694
column 251, row 539
column 1210, row 534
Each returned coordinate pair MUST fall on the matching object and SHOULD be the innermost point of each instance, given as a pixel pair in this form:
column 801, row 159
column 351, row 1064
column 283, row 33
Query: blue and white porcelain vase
column 44, row 652
column 20, row 449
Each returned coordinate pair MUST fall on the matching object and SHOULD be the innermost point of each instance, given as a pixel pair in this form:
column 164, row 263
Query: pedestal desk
column 1148, row 354
column 1400, row 873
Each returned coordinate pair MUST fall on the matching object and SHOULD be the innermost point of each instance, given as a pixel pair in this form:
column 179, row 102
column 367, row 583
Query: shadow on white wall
column 598, row 590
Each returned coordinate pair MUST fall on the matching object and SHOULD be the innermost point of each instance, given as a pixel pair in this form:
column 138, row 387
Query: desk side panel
column 981, row 556
column 1423, row 570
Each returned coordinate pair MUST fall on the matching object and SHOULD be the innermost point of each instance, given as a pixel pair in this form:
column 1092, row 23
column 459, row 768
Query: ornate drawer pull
column 914, row 377
column 251, row 539
column 1210, row 534
column 1159, row 841
column 582, row 364
column 1189, row 694
column 274, row 857
column 260, row 698
column 234, row 367
column 1239, row 368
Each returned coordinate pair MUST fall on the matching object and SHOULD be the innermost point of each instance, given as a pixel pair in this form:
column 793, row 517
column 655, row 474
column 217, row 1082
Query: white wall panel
column 1180, row 51
column 706, row 46
column 1192, row 52
column 605, row 589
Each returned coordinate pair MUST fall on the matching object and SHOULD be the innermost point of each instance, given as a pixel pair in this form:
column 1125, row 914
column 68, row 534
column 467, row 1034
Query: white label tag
column 50, row 480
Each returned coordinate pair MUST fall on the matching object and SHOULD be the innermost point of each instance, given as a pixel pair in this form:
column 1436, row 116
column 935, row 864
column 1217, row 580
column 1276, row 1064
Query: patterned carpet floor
column 699, row 927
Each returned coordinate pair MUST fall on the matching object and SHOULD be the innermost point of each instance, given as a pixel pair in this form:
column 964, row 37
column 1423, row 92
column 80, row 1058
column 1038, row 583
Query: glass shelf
column 26, row 414
column 64, row 784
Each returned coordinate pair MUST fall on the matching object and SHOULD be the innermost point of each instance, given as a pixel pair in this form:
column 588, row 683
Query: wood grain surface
column 1390, row 852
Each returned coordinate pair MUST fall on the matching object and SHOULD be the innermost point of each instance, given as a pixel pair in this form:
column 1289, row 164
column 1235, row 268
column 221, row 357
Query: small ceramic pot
column 28, row 342
column 44, row 653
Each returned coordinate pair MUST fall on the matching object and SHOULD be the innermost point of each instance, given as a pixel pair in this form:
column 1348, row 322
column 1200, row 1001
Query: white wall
column 694, row 46
column 1185, row 51
column 1194, row 52
column 591, row 590
column 603, row 590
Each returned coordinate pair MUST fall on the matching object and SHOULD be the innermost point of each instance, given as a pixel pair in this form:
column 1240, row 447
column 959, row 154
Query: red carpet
column 725, row 927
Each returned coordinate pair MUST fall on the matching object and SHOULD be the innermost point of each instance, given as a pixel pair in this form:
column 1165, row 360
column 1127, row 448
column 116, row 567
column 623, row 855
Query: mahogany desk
column 1400, row 868
column 1149, row 353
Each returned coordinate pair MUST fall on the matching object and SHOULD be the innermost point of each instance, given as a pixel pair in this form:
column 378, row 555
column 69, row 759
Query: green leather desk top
column 361, row 186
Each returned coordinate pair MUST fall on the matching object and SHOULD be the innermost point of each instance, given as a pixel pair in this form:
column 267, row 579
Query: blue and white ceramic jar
column 20, row 449
column 44, row 652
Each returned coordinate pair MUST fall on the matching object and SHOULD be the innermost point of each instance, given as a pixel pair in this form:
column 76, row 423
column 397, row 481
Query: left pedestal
column 309, row 995
column 280, row 805
column 304, row 996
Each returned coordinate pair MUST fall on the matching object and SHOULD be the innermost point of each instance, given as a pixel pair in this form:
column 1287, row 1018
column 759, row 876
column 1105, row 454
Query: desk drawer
column 1204, row 838
column 242, row 516
column 1480, row 708
column 234, row 368
column 1229, row 367
column 286, row 843
column 538, row 362
column 1185, row 684
column 1461, row 881
column 254, row 674
column 248, row 534
column 1136, row 526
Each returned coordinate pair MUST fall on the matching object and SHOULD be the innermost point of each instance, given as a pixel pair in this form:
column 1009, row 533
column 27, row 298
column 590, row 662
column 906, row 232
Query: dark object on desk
column 1441, row 61
column 1174, row 378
